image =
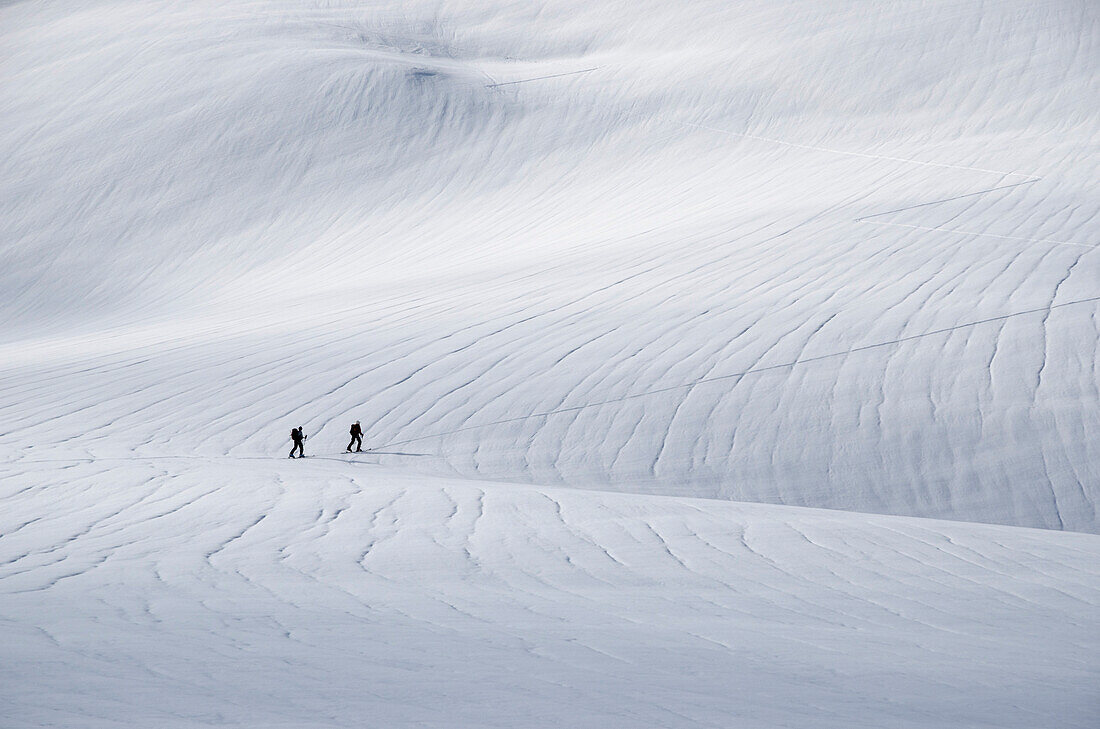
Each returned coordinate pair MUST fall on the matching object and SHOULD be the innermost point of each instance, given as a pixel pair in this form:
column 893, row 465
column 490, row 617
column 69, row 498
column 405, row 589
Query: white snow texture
column 725, row 363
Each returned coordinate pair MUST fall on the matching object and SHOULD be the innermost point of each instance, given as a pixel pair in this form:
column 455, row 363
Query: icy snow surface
column 588, row 273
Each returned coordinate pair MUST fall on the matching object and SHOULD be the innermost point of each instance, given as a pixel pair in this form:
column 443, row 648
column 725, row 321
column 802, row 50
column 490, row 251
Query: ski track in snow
column 587, row 274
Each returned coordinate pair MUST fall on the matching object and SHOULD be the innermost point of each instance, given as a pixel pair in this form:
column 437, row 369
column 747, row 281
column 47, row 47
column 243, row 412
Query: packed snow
column 724, row 363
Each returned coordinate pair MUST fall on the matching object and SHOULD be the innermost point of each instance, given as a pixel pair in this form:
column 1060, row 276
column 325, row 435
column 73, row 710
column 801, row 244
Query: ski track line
column 866, row 218
column 865, row 155
column 744, row 373
column 541, row 78
column 972, row 232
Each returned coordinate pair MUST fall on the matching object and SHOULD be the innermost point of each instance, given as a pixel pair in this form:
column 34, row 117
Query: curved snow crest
column 221, row 220
column 290, row 593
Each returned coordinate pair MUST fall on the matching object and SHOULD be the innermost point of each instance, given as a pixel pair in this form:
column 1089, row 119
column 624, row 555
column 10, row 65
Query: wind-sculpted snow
column 586, row 273
column 334, row 594
column 231, row 218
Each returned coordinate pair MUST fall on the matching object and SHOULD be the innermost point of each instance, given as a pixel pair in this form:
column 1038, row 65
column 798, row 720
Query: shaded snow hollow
column 587, row 273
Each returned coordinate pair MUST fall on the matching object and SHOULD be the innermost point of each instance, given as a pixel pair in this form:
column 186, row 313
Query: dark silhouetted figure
column 298, row 437
column 356, row 438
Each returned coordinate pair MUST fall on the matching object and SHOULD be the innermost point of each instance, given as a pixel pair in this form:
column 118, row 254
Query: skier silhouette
column 356, row 438
column 298, row 437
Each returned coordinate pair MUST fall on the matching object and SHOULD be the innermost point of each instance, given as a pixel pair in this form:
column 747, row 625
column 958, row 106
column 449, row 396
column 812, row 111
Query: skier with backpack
column 299, row 437
column 356, row 438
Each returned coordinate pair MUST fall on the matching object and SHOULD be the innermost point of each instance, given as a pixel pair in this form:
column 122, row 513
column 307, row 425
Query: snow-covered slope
column 233, row 217
column 242, row 593
column 835, row 254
